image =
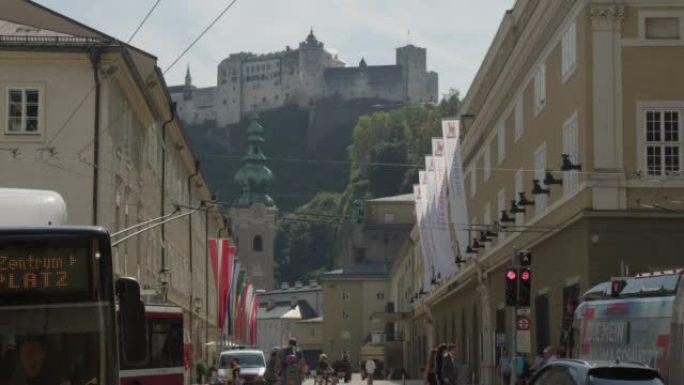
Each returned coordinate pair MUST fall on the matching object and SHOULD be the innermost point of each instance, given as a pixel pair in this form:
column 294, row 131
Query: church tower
column 253, row 214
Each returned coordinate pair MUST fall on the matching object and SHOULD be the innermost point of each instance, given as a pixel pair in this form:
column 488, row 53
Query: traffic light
column 511, row 287
column 525, row 287
column 616, row 287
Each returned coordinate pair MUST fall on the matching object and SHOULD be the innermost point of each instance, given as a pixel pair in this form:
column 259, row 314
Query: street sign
column 523, row 323
column 523, row 341
column 523, row 311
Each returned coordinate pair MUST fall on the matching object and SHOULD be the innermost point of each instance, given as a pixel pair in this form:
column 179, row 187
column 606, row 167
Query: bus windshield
column 52, row 320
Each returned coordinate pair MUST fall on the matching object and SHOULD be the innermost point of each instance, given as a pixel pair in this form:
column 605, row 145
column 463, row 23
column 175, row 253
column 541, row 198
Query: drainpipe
column 162, row 191
column 206, row 281
column 190, row 254
column 95, row 54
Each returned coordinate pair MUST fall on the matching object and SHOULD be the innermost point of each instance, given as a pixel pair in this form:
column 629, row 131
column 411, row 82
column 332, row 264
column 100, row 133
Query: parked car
column 596, row 372
column 252, row 365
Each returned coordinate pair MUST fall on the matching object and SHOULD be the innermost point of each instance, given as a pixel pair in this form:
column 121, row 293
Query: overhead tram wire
column 143, row 21
column 220, row 15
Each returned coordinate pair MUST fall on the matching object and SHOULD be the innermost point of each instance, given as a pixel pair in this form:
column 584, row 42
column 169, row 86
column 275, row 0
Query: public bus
column 164, row 364
column 638, row 319
column 57, row 297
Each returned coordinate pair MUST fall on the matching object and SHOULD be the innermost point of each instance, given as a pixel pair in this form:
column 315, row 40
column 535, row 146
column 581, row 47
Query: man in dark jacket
column 450, row 366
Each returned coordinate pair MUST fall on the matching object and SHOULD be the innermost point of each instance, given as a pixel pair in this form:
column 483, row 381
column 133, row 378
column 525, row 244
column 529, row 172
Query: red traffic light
column 511, row 274
column 525, row 275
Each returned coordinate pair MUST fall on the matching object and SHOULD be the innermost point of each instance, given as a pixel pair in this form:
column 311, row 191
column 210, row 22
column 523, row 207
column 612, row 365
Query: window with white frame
column 540, row 88
column 345, row 296
column 518, row 116
column 541, row 200
column 662, row 129
column 500, row 208
column 519, row 180
column 501, row 142
column 23, row 110
column 473, row 181
column 569, row 51
column 571, row 148
column 345, row 315
column 487, row 162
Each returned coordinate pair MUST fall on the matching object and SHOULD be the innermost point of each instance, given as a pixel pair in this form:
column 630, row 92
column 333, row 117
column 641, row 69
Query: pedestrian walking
column 272, row 368
column 370, row 370
column 430, row 376
column 441, row 349
column 449, row 366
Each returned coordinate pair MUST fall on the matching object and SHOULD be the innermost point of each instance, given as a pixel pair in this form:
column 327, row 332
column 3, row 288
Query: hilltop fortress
column 248, row 83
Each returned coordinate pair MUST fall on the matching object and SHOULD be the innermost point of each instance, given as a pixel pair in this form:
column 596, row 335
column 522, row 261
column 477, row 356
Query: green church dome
column 254, row 178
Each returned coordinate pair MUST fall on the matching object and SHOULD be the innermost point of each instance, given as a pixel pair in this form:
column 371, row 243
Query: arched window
column 257, row 243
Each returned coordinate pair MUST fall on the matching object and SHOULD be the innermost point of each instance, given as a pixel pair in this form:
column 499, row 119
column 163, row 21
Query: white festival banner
column 426, row 191
column 443, row 243
column 422, row 230
column 457, row 197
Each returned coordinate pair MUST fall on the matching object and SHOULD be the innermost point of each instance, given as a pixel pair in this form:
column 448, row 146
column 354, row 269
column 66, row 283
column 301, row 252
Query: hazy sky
column 456, row 33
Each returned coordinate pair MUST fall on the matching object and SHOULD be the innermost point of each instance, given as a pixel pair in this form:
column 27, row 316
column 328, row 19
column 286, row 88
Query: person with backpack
column 290, row 366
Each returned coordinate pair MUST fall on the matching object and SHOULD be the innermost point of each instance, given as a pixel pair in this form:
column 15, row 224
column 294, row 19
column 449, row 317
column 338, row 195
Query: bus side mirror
column 132, row 324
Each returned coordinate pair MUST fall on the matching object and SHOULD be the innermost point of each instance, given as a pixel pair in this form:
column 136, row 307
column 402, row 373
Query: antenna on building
column 408, row 36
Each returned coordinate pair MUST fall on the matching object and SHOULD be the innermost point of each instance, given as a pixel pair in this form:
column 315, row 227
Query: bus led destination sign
column 60, row 270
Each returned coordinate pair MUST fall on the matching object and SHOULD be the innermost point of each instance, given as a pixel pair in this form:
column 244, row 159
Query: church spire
column 254, row 178
column 188, row 78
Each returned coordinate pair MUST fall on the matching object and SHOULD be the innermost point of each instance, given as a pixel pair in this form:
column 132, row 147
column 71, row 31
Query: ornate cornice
column 607, row 16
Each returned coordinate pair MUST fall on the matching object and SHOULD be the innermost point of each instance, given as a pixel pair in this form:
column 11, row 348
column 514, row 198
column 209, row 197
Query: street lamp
column 164, row 278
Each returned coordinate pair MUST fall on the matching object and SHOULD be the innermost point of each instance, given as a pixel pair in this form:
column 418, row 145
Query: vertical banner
column 423, row 178
column 443, row 243
column 239, row 282
column 253, row 320
column 423, row 235
column 431, row 215
column 230, row 308
column 226, row 251
column 457, row 197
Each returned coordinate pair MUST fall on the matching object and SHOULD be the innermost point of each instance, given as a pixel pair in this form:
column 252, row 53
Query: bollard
column 403, row 378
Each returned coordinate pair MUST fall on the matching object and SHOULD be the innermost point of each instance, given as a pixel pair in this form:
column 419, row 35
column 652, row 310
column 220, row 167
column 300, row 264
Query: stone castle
column 248, row 83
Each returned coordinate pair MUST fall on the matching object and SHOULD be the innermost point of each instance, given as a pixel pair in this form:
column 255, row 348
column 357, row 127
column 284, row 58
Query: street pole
column 514, row 326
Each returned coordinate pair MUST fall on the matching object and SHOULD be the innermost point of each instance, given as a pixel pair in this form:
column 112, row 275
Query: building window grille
column 541, row 200
column 23, row 109
column 501, row 143
column 663, row 142
column 519, row 127
column 487, row 162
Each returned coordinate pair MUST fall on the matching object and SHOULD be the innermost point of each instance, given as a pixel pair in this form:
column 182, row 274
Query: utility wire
column 143, row 21
column 80, row 104
column 228, row 7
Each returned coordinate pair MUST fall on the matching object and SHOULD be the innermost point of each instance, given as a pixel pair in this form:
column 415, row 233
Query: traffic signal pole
column 514, row 326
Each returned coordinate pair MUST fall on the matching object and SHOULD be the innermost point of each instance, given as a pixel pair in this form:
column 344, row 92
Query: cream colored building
column 598, row 81
column 350, row 297
column 90, row 117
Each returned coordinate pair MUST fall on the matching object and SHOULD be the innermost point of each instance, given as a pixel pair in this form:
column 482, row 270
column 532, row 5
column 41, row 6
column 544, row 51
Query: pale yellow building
column 90, row 117
column 586, row 93
column 350, row 297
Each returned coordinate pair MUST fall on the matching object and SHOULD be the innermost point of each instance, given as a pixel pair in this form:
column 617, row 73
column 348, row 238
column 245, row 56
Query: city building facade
column 90, row 117
column 571, row 150
column 351, row 296
column 281, row 310
column 248, row 83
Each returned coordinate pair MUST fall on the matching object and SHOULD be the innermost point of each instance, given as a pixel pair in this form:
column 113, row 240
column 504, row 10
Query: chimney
column 284, row 285
column 298, row 284
column 313, row 283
